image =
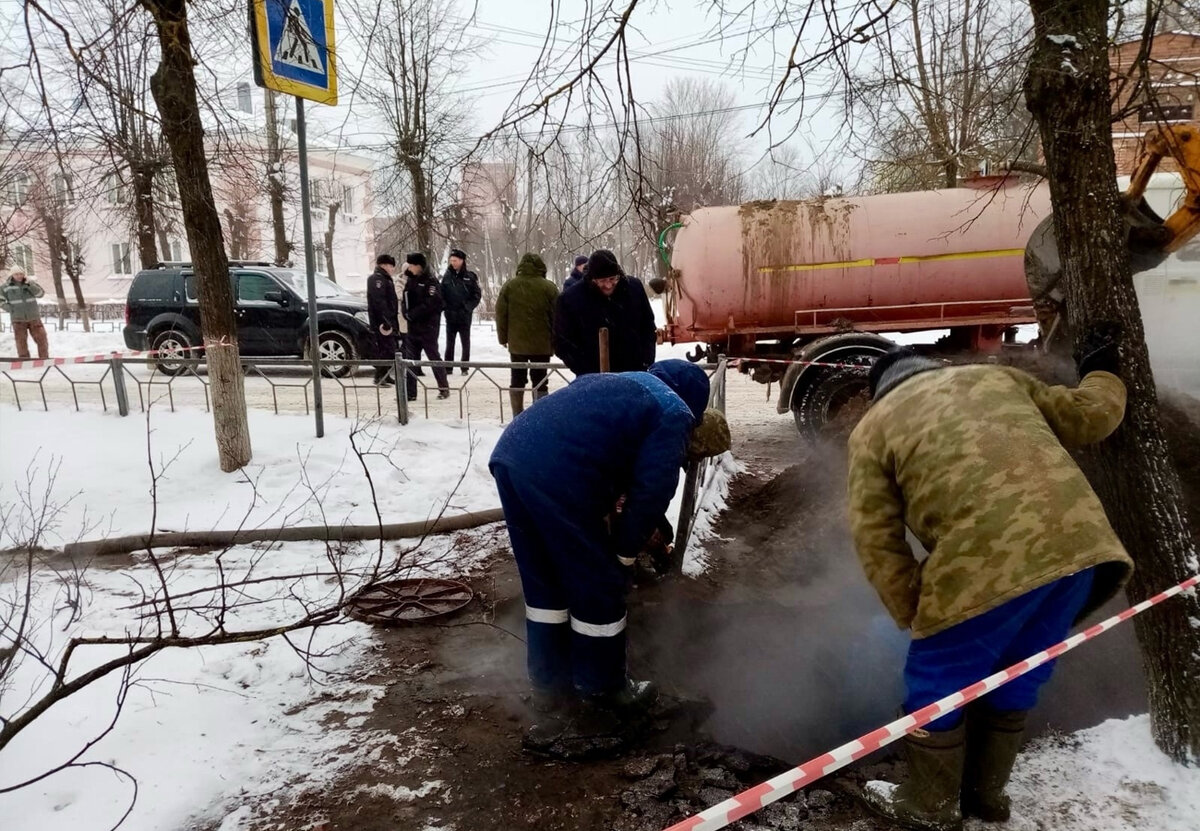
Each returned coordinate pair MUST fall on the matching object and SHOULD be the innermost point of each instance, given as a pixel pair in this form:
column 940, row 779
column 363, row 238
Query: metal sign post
column 292, row 41
column 310, row 269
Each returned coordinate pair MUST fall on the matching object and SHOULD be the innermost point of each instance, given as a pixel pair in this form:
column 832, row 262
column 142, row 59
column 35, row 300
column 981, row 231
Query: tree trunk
column 332, row 209
column 422, row 207
column 143, row 213
column 72, row 268
column 55, row 244
column 283, row 248
column 1067, row 91
column 950, row 173
column 174, row 88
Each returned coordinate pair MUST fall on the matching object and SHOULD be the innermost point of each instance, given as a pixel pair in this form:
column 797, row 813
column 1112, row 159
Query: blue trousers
column 954, row 658
column 574, row 587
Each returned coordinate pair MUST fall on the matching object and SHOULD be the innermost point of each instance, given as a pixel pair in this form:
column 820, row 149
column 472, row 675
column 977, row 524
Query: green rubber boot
column 993, row 741
column 929, row 799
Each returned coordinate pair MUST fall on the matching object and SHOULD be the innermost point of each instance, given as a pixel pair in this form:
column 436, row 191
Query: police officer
column 383, row 311
column 422, row 307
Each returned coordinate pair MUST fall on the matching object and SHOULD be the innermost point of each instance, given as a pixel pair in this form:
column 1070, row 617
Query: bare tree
column 690, row 155
column 783, row 173
column 940, row 92
column 52, row 198
column 412, row 47
column 1068, row 90
column 276, row 181
column 174, row 88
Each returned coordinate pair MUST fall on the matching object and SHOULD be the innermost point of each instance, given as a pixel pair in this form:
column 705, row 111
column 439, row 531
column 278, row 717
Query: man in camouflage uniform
column 971, row 460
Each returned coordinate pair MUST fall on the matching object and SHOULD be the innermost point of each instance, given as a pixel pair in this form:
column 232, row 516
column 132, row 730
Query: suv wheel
column 336, row 346
column 171, row 346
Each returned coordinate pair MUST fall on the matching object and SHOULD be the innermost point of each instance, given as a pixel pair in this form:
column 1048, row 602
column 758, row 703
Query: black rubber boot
column 929, row 799
column 517, row 399
column 994, row 739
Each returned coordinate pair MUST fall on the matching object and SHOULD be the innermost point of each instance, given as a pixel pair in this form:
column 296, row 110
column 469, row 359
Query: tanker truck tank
column 816, row 281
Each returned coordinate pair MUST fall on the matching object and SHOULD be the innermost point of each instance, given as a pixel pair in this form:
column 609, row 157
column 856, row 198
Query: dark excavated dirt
column 782, row 638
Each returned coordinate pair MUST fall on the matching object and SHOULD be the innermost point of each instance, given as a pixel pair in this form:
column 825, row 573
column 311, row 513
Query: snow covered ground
column 203, row 728
column 1108, row 778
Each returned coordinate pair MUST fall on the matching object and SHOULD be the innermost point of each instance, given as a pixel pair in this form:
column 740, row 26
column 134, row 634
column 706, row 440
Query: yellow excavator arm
column 1148, row 232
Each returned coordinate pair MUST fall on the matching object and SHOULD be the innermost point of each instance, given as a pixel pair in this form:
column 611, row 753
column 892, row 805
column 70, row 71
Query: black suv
column 162, row 313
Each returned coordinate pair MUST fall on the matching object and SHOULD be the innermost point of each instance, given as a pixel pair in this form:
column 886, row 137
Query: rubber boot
column 929, row 799
column 993, row 741
column 517, row 399
column 541, row 392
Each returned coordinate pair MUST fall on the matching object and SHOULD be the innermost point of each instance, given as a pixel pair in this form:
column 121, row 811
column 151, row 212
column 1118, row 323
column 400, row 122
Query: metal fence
column 699, row 477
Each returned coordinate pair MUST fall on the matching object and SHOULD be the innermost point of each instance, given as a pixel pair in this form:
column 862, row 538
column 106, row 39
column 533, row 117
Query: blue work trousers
column 574, row 587
column 970, row 651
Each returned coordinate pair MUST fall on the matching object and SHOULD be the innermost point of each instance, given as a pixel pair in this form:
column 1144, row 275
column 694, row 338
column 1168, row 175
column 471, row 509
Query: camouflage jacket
column 972, row 460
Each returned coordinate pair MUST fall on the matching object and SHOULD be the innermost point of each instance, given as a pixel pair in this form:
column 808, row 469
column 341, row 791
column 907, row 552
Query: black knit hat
column 886, row 360
column 385, row 259
column 458, row 252
column 601, row 264
column 581, row 260
column 416, row 258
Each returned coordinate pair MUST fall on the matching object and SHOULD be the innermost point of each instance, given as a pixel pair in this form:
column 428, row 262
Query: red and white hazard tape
column 38, row 363
column 749, row 801
column 739, row 361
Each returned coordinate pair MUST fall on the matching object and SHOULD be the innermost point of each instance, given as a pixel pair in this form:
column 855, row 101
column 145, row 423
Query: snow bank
column 1108, row 778
column 104, row 460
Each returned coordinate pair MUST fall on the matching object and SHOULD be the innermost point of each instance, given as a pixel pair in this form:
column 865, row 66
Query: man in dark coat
column 383, row 312
column 606, row 299
column 423, row 310
column 525, row 324
column 461, row 291
column 578, row 273
column 560, row 468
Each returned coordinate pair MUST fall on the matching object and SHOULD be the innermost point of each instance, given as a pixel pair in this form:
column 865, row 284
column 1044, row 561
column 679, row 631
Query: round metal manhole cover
column 415, row 600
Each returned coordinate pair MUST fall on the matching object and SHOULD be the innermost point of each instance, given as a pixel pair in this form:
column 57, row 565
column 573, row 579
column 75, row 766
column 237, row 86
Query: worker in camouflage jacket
column 19, row 297
column 973, row 461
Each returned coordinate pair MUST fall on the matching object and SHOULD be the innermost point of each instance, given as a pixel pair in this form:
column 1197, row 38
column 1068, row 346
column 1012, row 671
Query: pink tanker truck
column 785, row 283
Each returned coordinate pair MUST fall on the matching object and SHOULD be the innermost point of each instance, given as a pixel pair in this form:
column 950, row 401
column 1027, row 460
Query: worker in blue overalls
column 561, row 467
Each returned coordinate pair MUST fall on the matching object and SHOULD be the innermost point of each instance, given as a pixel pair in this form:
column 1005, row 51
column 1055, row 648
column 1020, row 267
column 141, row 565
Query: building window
column 17, row 189
column 244, row 102
column 316, row 194
column 175, row 251
column 114, row 189
column 64, row 188
column 121, row 262
column 167, row 187
column 22, row 256
column 348, row 199
column 1168, row 106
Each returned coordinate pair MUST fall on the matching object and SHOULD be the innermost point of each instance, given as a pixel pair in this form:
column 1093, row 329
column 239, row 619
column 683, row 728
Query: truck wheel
column 171, row 346
column 336, row 346
column 828, row 401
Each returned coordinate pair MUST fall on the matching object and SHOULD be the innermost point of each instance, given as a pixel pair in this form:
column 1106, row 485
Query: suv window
column 193, row 286
column 253, row 287
column 154, row 285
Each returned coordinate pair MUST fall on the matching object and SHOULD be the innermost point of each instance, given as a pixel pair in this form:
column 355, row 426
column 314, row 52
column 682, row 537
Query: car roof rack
column 235, row 263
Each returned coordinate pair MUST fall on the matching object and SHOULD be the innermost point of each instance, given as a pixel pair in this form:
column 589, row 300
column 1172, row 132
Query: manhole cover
column 415, row 600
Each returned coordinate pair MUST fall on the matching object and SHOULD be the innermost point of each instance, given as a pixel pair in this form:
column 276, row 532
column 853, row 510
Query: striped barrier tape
column 751, row 800
column 38, row 363
column 739, row 361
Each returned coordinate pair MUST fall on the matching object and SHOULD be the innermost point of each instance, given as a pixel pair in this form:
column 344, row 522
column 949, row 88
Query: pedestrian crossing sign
column 293, row 47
